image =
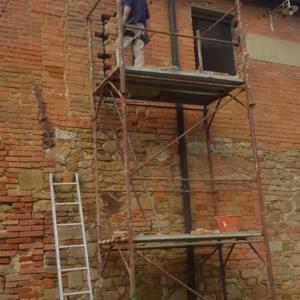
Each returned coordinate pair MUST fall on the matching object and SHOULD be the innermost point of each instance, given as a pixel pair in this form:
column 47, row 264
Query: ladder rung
column 64, row 183
column 71, row 246
column 74, row 269
column 66, row 203
column 76, row 293
column 68, row 224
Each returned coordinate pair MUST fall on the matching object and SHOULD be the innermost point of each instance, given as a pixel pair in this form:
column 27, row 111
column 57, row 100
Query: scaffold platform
column 206, row 237
column 174, row 86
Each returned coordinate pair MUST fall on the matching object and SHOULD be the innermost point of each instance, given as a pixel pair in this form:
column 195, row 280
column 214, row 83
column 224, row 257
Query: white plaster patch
column 63, row 134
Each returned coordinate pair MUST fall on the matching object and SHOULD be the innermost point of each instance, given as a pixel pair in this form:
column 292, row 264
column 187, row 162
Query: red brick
column 9, row 247
column 4, row 261
column 37, row 245
column 7, row 253
column 49, row 283
column 18, row 228
column 31, row 222
column 31, row 233
column 18, row 240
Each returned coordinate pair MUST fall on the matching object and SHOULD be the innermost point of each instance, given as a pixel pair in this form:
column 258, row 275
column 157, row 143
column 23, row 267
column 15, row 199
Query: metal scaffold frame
column 131, row 243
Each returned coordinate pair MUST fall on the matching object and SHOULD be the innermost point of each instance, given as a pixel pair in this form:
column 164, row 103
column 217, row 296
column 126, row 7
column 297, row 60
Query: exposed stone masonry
column 44, row 43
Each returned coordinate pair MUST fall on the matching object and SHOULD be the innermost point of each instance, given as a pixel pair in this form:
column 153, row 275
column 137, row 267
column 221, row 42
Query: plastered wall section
column 273, row 50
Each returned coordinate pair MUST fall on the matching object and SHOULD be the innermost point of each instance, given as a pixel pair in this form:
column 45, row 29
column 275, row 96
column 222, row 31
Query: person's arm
column 147, row 25
column 126, row 12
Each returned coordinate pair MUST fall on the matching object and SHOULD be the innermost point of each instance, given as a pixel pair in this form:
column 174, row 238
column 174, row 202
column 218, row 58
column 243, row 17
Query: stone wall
column 44, row 43
column 233, row 160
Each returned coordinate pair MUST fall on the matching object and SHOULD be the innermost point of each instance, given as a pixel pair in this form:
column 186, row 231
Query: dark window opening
column 215, row 56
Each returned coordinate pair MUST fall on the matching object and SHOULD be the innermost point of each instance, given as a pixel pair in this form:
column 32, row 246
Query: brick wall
column 44, row 43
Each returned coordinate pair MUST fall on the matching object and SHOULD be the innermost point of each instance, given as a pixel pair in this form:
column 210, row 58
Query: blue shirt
column 139, row 12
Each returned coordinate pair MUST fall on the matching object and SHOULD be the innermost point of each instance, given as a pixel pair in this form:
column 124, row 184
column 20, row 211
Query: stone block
column 196, row 148
column 233, row 292
column 94, row 274
column 112, row 295
column 2, row 285
column 5, row 208
column 109, row 47
column 76, row 253
column 112, row 202
column 75, row 280
column 73, row 159
column 110, row 29
column 59, row 153
column 85, row 164
column 144, row 201
column 68, row 176
column 296, row 198
column 7, row 270
column 175, row 201
column 31, row 180
column 276, row 245
column 64, row 135
column 163, row 156
column 51, row 294
column 179, row 294
column 92, row 249
column 50, row 270
column 152, row 150
column 107, row 283
column 110, row 146
column 260, row 291
column 121, row 290
column 86, row 175
column 67, row 233
column 248, row 273
column 41, row 206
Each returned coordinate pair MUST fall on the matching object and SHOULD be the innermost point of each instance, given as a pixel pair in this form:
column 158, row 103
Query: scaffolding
column 176, row 90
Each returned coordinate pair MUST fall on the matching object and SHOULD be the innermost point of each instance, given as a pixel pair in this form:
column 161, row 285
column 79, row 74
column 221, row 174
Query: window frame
column 213, row 14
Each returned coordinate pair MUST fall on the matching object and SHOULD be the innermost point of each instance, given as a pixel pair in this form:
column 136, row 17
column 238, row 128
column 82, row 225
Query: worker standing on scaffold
column 136, row 16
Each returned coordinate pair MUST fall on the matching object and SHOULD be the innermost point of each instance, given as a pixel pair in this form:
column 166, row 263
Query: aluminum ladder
column 59, row 247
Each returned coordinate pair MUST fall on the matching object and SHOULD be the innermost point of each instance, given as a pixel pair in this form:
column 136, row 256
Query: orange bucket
column 229, row 223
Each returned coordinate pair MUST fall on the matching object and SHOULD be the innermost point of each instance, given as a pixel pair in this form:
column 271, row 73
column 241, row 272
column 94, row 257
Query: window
column 215, row 57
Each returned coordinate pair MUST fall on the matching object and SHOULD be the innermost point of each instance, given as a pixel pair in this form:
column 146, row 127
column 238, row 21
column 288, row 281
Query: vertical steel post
column 255, row 155
column 210, row 162
column 120, row 52
column 183, row 155
column 261, row 204
column 128, row 200
column 125, row 151
column 207, row 126
column 222, row 271
column 186, row 200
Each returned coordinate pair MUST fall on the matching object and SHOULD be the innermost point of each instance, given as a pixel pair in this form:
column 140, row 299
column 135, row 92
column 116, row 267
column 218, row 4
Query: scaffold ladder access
column 62, row 270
